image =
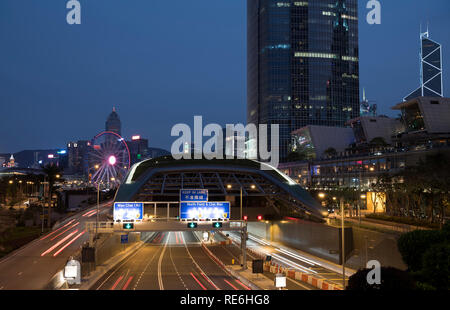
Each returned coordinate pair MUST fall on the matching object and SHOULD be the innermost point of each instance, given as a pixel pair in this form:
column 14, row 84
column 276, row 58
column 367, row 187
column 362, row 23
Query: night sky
column 161, row 62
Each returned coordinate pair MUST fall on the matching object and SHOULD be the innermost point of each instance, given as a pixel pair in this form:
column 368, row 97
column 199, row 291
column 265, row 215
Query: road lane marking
column 204, row 288
column 193, row 260
column 117, row 282
column 210, row 282
column 176, row 270
column 161, row 285
column 145, row 269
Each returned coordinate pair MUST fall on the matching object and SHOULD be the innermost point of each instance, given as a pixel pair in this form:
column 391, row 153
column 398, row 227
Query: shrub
column 392, row 279
column 436, row 266
column 413, row 245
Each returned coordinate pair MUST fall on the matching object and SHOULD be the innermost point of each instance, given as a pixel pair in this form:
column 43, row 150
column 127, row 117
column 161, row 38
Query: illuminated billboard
column 204, row 210
column 126, row 211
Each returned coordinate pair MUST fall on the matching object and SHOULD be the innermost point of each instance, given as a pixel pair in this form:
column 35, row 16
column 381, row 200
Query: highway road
column 292, row 259
column 33, row 266
column 169, row 261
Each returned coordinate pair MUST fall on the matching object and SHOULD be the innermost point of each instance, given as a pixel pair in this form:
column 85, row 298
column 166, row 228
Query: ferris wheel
column 109, row 160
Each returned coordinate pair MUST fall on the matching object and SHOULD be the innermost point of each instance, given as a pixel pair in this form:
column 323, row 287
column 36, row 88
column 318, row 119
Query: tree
column 296, row 156
column 330, row 152
column 378, row 142
column 392, row 279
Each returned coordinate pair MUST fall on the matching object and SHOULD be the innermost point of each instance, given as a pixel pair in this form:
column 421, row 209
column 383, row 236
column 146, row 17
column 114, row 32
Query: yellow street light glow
column 96, row 166
column 229, row 186
column 11, row 182
column 253, row 186
column 334, row 198
column 363, row 196
column 322, row 195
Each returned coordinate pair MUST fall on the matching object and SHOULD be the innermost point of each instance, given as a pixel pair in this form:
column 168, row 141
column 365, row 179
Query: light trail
column 126, row 284
column 95, row 212
column 298, row 257
column 204, row 288
column 69, row 243
column 234, row 287
column 116, row 283
column 88, row 213
column 60, row 242
column 243, row 285
column 64, row 231
column 58, row 230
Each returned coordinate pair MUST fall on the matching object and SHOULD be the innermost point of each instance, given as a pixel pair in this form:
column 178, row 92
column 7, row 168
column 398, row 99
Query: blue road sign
column 126, row 211
column 193, row 195
column 205, row 210
column 123, row 238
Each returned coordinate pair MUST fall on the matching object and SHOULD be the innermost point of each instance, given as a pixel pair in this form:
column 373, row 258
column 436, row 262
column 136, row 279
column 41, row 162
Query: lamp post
column 343, row 243
column 98, row 208
column 363, row 196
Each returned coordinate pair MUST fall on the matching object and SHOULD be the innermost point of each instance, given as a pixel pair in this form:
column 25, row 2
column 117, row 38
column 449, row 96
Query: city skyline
column 147, row 83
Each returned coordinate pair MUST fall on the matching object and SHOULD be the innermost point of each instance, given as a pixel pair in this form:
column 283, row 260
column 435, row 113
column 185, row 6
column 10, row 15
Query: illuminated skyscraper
column 430, row 69
column 303, row 65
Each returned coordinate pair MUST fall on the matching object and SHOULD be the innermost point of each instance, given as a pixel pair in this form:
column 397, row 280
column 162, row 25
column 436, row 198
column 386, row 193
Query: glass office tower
column 303, row 66
column 430, row 69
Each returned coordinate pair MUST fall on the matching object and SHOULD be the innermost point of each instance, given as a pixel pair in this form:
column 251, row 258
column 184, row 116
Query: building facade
column 303, row 65
column 423, row 130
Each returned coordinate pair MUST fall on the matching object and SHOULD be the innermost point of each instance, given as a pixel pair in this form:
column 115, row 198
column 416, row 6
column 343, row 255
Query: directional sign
column 126, row 211
column 205, row 210
column 123, row 238
column 193, row 195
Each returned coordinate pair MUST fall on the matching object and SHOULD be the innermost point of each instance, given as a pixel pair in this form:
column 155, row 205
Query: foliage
column 414, row 244
column 427, row 254
column 296, row 156
column 392, row 279
column 402, row 220
column 330, row 152
column 436, row 265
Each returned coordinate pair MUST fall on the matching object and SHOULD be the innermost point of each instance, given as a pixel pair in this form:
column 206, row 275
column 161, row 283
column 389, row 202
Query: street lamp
column 322, row 195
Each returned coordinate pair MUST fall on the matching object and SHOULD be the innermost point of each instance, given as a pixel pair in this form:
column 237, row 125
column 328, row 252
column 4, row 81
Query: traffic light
column 139, row 156
column 259, row 217
column 245, row 217
column 128, row 226
column 192, row 225
column 217, row 225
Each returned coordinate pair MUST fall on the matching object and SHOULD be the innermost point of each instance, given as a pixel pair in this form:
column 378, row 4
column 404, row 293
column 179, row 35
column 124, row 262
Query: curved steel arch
column 155, row 181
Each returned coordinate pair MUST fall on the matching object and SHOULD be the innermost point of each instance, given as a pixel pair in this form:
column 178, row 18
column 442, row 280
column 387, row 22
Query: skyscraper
column 430, row 69
column 303, row 65
column 113, row 122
